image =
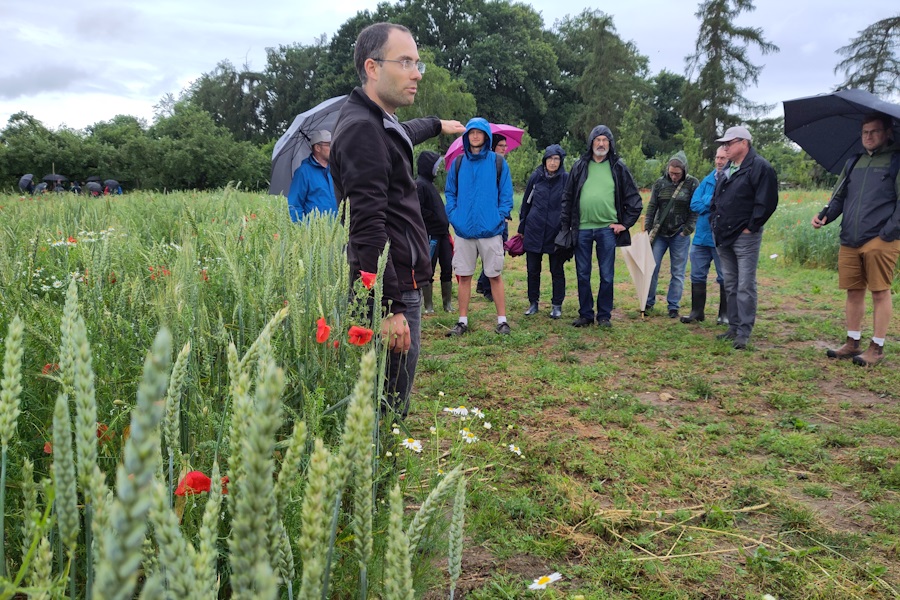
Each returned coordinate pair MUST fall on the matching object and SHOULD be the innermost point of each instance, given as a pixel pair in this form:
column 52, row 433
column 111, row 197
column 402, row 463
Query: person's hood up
column 555, row 150
column 679, row 159
column 598, row 131
column 427, row 164
column 483, row 125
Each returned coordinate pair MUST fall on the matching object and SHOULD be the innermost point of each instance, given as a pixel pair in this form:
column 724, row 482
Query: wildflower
column 276, row 236
column 441, row 394
column 459, row 411
column 50, row 368
column 395, row 431
column 368, row 279
column 411, row 444
column 72, row 240
column 112, row 277
column 103, row 433
column 515, row 450
column 468, row 436
column 323, row 331
column 487, row 424
column 542, row 582
column 476, row 412
column 48, row 448
column 252, row 215
column 359, row 336
column 204, row 275
column 193, row 483
column 388, row 454
column 432, row 429
column 336, row 343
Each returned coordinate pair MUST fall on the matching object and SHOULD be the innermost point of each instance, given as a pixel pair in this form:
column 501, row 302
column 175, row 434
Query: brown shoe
column 873, row 355
column 848, row 350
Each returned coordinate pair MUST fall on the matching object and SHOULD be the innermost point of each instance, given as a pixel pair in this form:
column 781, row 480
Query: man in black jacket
column 371, row 163
column 437, row 226
column 600, row 202
column 746, row 196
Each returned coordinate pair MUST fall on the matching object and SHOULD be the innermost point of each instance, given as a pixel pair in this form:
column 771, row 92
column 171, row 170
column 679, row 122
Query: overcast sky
column 77, row 62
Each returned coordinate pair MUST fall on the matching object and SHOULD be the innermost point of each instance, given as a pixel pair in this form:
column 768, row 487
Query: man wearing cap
column 312, row 187
column 746, row 196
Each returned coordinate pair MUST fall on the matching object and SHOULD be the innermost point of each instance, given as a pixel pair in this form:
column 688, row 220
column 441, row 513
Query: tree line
column 494, row 58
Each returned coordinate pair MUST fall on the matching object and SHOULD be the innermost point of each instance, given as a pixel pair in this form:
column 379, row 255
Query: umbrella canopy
column 512, row 134
column 111, row 183
column 25, row 181
column 639, row 258
column 94, row 187
column 93, row 178
column 293, row 147
column 828, row 126
column 55, row 177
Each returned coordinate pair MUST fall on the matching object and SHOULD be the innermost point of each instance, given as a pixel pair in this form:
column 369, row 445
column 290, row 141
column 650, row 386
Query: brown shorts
column 869, row 266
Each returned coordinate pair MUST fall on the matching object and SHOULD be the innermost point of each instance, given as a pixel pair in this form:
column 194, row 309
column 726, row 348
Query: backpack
column 458, row 161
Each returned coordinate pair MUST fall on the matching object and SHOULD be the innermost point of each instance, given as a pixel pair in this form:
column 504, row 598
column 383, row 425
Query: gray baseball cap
column 317, row 137
column 737, row 132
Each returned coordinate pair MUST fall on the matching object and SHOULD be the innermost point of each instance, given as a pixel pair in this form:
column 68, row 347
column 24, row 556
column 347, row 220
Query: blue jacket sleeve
column 703, row 194
column 296, row 193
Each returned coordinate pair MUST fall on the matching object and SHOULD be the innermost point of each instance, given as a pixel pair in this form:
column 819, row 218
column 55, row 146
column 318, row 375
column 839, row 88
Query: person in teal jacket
column 479, row 196
column 312, row 187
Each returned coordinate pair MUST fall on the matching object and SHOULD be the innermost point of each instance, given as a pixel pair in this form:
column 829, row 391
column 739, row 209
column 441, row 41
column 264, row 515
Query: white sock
column 464, row 321
column 501, row 319
column 854, row 335
column 879, row 341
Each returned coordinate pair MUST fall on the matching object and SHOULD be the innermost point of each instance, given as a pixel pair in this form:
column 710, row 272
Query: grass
column 660, row 463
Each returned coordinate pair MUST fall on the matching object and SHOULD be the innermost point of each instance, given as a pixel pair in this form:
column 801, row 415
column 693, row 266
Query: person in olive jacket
column 371, row 164
column 539, row 224
column 669, row 214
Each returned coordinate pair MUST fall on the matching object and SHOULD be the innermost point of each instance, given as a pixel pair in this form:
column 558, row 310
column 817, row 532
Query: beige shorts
column 466, row 252
column 869, row 266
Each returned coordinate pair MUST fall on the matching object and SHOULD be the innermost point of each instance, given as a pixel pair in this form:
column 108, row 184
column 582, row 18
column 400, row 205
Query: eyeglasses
column 730, row 142
column 868, row 132
column 406, row 64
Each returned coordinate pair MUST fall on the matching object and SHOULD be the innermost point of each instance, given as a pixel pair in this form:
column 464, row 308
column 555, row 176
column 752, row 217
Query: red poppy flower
column 104, row 434
column 336, row 343
column 50, row 368
column 276, row 236
column 203, row 275
column 72, row 240
column 48, row 448
column 322, row 331
column 359, row 336
column 112, row 277
column 224, row 481
column 368, row 279
column 252, row 215
column 193, row 483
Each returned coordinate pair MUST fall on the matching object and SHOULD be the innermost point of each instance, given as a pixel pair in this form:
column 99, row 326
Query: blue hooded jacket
column 477, row 209
column 700, row 205
column 311, row 189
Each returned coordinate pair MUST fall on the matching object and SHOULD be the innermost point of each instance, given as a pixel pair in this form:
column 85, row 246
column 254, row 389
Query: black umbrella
column 55, row 177
column 293, row 147
column 25, row 181
column 111, row 183
column 93, row 178
column 94, row 188
column 829, row 126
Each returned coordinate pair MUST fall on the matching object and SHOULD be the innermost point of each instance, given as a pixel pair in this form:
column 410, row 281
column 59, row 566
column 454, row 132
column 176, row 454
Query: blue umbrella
column 828, row 126
column 293, row 147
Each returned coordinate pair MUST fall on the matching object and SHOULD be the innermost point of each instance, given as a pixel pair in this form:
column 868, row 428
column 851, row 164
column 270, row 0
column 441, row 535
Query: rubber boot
column 723, row 306
column 447, row 295
column 428, row 299
column 698, row 303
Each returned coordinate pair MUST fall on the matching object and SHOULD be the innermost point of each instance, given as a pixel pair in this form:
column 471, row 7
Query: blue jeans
column 606, row 260
column 401, row 369
column 739, row 262
column 678, row 246
column 701, row 258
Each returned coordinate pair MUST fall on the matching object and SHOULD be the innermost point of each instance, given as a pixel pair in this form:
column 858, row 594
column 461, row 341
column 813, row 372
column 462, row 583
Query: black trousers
column 533, row 262
column 443, row 253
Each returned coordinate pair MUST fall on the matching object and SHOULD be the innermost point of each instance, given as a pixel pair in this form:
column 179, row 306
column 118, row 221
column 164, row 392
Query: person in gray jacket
column 870, row 231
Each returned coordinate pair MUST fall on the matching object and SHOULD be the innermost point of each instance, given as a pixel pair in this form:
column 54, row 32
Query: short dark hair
column 886, row 121
column 370, row 44
column 496, row 138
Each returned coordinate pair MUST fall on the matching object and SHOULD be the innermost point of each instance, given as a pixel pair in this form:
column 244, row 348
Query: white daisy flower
column 487, row 424
column 476, row 412
column 411, row 444
column 441, row 394
column 515, row 450
column 432, row 429
column 395, row 431
column 542, row 582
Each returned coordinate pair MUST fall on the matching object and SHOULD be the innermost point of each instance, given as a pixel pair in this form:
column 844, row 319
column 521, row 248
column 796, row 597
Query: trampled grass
column 646, row 461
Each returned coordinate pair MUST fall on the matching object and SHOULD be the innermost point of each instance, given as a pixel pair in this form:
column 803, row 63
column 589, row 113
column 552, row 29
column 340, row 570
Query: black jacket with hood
column 542, row 204
column 433, row 211
column 627, row 198
column 371, row 163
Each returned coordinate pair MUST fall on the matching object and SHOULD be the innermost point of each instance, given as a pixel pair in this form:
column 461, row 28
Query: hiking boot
column 728, row 335
column 458, row 330
column 848, row 350
column 556, row 311
column 603, row 323
column 502, row 328
column 698, row 303
column 873, row 355
column 740, row 342
column 673, row 313
column 582, row 322
column 532, row 310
